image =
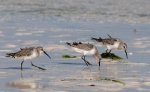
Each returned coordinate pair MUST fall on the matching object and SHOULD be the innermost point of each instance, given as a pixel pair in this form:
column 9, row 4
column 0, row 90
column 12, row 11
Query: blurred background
column 51, row 23
column 128, row 11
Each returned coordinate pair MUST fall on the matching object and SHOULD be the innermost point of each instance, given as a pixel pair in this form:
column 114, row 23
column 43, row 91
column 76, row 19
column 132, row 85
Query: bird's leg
column 37, row 66
column 106, row 51
column 109, row 51
column 99, row 63
column 110, row 54
column 21, row 64
column 126, row 54
column 87, row 61
column 83, row 57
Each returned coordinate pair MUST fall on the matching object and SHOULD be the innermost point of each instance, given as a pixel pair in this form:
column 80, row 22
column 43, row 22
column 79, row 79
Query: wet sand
column 29, row 28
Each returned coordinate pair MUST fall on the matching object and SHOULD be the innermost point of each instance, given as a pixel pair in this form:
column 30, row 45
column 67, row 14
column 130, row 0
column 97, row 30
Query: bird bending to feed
column 112, row 44
column 86, row 49
column 28, row 54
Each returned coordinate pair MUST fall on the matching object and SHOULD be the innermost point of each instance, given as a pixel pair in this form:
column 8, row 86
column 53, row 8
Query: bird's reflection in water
column 23, row 84
column 105, row 71
column 89, row 73
column 114, row 70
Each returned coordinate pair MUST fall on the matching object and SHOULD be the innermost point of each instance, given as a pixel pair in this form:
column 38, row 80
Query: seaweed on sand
column 112, row 80
column 67, row 56
column 100, row 79
column 107, row 55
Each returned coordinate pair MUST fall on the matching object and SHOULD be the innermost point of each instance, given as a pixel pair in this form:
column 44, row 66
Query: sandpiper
column 86, row 49
column 28, row 54
column 112, row 44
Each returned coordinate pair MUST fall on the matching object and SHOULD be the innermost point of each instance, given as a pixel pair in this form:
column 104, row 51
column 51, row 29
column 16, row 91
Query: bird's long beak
column 46, row 54
column 126, row 54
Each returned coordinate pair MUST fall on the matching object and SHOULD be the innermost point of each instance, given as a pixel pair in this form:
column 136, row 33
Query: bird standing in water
column 112, row 44
column 28, row 54
column 86, row 49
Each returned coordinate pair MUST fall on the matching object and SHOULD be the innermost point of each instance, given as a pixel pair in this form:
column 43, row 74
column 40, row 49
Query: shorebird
column 112, row 44
column 28, row 54
column 86, row 49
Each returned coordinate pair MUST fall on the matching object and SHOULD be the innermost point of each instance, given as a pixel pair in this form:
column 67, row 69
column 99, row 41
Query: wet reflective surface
column 19, row 28
column 23, row 84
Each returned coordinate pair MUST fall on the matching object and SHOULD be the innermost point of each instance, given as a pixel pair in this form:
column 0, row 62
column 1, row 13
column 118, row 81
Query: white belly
column 34, row 55
column 90, row 52
column 112, row 47
column 30, row 57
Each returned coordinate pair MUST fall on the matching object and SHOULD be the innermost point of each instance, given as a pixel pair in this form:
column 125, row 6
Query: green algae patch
column 67, row 56
column 74, row 79
column 100, row 79
column 123, row 61
column 110, row 56
column 111, row 80
column 134, row 31
column 67, row 79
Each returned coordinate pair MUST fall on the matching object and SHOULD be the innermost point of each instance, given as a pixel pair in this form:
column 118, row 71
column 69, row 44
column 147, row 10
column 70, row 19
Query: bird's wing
column 83, row 46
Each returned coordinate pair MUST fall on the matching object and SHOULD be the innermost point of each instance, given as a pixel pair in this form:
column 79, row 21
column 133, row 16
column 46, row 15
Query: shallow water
column 20, row 26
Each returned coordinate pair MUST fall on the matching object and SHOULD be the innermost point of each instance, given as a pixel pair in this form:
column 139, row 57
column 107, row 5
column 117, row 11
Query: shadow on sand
column 66, row 63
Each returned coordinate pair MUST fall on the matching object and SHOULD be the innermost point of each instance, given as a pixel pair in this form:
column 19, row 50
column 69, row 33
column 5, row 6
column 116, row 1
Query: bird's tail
column 68, row 43
column 97, row 40
column 10, row 55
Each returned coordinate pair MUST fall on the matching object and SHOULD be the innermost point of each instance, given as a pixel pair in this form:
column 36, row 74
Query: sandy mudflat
column 28, row 28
